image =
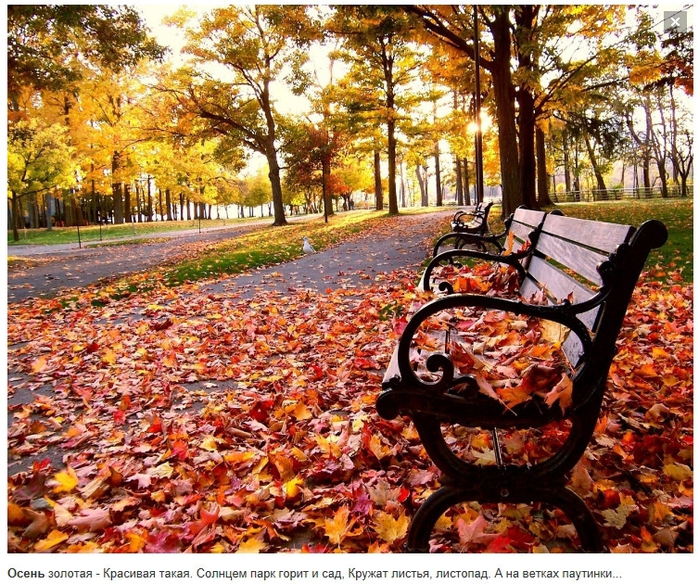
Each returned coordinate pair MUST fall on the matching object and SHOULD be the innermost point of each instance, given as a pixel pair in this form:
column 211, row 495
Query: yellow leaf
column 260, row 465
column 67, row 480
column 389, row 529
column 136, row 542
column 61, row 514
column 251, row 546
column 15, row 514
column 170, row 360
column 239, row 457
column 109, row 357
column 285, row 467
column 660, row 353
column 301, row 412
column 677, row 471
column 337, row 527
column 379, row 450
column 54, row 538
column 293, row 487
column 158, row 496
column 164, row 471
column 209, row 443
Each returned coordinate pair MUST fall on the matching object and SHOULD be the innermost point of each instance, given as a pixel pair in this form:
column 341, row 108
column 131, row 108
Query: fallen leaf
column 389, row 528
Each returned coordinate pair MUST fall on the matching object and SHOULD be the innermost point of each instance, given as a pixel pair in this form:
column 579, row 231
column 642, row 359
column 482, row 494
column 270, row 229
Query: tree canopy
column 577, row 99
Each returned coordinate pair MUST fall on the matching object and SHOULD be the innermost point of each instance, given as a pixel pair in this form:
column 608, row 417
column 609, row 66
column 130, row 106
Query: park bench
column 575, row 287
column 467, row 222
column 472, row 219
column 521, row 228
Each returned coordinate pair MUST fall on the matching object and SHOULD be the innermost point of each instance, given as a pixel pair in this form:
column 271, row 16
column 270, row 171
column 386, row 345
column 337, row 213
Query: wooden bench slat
column 581, row 260
column 528, row 217
column 521, row 231
column 600, row 235
column 558, row 285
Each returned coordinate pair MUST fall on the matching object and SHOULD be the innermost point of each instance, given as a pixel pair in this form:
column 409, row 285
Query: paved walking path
column 352, row 263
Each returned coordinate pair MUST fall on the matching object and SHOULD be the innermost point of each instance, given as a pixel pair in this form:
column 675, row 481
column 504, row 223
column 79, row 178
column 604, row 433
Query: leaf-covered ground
column 180, row 420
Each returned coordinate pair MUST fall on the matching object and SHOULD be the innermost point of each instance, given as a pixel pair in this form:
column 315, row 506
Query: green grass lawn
column 271, row 246
column 95, row 233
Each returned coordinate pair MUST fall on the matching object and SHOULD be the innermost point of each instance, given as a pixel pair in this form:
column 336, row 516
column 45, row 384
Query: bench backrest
column 593, row 265
column 476, row 216
column 521, row 224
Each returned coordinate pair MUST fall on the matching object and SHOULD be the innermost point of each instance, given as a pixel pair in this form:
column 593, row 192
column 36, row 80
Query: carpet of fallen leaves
column 179, row 420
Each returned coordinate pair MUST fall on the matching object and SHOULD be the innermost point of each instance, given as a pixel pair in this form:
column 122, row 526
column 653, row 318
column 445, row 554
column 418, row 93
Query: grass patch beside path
column 93, row 233
column 271, row 246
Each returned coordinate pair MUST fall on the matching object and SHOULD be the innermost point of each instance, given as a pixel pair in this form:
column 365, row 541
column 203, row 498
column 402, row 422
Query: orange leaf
column 388, row 528
column 39, row 365
column 54, row 538
column 337, row 527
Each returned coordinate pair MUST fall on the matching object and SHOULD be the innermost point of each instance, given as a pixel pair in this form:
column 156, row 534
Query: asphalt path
column 48, row 270
column 44, row 270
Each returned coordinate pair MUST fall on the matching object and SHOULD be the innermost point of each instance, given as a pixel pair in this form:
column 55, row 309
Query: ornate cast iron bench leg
column 449, row 495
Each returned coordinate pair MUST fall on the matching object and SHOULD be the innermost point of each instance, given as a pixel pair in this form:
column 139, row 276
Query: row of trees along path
column 101, row 124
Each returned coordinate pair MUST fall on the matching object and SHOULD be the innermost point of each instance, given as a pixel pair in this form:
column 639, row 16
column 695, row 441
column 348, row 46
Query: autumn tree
column 257, row 46
column 39, row 159
column 376, row 44
column 48, row 45
column 523, row 45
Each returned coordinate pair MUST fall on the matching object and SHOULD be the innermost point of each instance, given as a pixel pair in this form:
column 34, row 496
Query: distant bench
column 576, row 278
column 521, row 229
column 466, row 222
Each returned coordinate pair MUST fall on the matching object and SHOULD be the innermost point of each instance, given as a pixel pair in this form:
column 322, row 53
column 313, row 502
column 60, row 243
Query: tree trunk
column 595, row 168
column 327, row 201
column 525, row 23
column 467, row 184
column 139, row 211
column 438, row 175
column 527, row 160
column 127, row 203
column 275, row 181
column 47, row 210
column 15, row 216
column 505, row 110
column 378, row 185
column 118, row 203
column 422, row 182
column 544, row 199
column 566, row 163
column 168, row 204
column 149, row 194
column 459, row 182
